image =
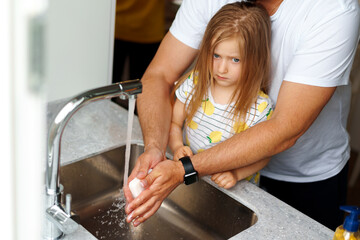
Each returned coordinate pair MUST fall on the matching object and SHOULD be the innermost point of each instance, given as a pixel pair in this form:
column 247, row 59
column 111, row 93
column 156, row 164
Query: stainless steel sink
column 198, row 211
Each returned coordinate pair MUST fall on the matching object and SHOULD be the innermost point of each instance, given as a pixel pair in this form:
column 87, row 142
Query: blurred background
column 51, row 50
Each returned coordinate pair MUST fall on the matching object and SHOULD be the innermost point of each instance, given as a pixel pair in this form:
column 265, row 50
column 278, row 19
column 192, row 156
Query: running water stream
column 131, row 110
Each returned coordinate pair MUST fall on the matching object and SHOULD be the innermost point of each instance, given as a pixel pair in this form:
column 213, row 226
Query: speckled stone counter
column 101, row 126
column 96, row 127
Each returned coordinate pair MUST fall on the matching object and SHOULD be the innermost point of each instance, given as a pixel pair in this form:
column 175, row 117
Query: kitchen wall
column 22, row 105
column 49, row 50
column 79, row 43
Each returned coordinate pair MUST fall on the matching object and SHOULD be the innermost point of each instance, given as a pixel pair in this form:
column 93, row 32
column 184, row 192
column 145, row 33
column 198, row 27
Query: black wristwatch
column 191, row 175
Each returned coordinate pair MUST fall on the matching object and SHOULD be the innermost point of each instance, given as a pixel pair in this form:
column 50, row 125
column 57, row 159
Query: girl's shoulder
column 185, row 88
column 263, row 107
column 190, row 81
column 263, row 97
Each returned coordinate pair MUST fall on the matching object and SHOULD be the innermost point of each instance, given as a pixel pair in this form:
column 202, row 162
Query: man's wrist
column 151, row 145
column 180, row 172
column 155, row 147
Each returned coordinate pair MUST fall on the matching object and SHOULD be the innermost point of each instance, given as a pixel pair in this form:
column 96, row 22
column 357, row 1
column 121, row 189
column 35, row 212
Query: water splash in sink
column 112, row 216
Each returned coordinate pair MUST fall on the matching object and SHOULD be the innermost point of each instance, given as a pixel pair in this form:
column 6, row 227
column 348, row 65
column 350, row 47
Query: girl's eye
column 236, row 60
column 216, row 56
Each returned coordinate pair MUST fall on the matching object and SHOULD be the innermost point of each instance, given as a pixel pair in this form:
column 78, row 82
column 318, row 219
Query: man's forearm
column 268, row 138
column 154, row 105
column 154, row 108
column 241, row 150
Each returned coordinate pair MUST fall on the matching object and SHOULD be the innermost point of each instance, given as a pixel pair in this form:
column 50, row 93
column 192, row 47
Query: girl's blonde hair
column 250, row 24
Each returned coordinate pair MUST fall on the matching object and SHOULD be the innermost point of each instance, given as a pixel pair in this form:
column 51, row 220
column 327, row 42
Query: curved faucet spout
column 125, row 89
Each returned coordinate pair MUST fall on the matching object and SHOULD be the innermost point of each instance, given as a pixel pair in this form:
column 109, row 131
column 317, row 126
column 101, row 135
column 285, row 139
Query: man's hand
column 149, row 159
column 163, row 179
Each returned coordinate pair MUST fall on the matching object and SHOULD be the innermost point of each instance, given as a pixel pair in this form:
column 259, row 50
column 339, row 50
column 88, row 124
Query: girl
column 225, row 92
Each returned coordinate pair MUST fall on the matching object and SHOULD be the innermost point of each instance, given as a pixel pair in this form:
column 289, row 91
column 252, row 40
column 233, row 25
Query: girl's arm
column 244, row 172
column 178, row 117
column 228, row 179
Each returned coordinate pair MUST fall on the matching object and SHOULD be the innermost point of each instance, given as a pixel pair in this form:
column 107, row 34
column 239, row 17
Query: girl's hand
column 224, row 179
column 182, row 152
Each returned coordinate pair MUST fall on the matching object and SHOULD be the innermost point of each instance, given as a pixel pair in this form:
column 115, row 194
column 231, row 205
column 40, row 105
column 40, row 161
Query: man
column 313, row 46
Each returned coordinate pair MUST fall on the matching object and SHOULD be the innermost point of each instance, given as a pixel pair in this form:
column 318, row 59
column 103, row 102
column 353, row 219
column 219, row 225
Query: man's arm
column 273, row 136
column 154, row 105
column 262, row 141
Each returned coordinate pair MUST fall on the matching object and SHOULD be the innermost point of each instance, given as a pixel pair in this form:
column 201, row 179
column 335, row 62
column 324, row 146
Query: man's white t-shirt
column 313, row 43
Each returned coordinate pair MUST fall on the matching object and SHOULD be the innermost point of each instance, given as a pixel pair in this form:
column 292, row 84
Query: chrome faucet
column 59, row 221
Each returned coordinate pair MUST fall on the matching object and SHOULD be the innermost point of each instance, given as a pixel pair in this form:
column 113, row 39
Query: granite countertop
column 101, row 126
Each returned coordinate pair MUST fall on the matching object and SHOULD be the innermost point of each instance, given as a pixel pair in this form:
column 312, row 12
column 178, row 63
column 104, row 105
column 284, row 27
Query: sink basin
column 198, row 211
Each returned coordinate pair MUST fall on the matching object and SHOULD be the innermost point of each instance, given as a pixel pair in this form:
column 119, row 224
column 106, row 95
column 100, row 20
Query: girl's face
column 226, row 63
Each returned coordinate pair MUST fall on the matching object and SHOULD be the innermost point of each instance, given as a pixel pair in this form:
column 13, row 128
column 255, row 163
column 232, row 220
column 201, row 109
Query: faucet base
column 56, row 238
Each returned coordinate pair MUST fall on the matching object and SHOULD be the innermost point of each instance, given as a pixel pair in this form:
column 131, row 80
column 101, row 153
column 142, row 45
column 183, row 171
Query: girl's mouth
column 220, row 77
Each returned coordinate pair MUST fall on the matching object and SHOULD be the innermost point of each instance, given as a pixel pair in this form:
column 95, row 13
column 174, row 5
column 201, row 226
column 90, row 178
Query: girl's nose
column 222, row 66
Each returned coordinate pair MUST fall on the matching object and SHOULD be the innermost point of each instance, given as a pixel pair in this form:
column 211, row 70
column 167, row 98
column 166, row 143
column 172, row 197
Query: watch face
column 191, row 178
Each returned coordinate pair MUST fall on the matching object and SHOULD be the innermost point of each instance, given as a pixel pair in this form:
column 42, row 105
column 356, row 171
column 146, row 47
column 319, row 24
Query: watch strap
column 191, row 175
